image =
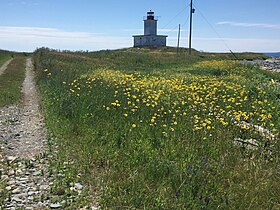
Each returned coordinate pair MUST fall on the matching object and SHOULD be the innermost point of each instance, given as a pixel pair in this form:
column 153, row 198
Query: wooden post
column 190, row 38
column 178, row 44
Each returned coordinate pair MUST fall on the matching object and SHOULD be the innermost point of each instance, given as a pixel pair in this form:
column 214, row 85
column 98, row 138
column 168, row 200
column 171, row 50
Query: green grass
column 4, row 56
column 147, row 129
column 11, row 81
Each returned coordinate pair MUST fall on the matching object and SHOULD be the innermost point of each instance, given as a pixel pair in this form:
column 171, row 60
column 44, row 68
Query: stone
column 19, row 171
column 30, row 198
column 37, row 173
column 16, row 191
column 11, row 158
column 8, row 188
column 11, row 182
column 17, row 199
column 44, row 187
column 11, row 172
column 55, row 205
column 78, row 186
column 4, row 177
column 23, row 179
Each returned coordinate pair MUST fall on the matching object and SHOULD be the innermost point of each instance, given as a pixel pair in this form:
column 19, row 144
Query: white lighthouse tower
column 150, row 37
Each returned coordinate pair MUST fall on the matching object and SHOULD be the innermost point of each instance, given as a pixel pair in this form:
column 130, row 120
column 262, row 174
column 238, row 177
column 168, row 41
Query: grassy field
column 11, row 81
column 4, row 56
column 147, row 129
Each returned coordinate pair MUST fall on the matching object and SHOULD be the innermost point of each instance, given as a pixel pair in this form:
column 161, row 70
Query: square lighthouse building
column 150, row 37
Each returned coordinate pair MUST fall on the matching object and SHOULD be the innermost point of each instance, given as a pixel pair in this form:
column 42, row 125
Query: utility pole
column 178, row 44
column 190, row 38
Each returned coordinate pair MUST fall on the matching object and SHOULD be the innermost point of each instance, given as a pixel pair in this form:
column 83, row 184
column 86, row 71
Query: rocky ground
column 272, row 64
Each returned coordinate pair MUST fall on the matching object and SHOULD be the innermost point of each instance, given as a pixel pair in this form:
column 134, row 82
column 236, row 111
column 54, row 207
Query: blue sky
column 219, row 25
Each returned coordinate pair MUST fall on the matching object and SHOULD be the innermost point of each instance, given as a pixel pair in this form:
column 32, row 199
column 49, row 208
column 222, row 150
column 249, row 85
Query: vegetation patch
column 147, row 129
column 4, row 56
column 11, row 81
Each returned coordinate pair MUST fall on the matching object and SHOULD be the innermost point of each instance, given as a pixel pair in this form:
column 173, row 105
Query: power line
column 179, row 13
column 186, row 21
column 213, row 29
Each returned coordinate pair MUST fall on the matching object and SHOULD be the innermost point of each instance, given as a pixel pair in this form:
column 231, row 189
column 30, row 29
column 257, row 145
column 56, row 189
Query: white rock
column 55, row 205
column 4, row 177
column 19, row 171
column 8, row 188
column 78, row 186
column 30, row 198
column 31, row 193
column 11, row 172
column 37, row 173
column 11, row 158
column 23, row 179
column 44, row 187
column 17, row 199
column 11, row 182
column 16, row 191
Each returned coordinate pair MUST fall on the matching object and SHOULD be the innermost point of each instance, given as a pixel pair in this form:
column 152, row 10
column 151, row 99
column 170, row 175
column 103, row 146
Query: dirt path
column 4, row 66
column 23, row 139
column 24, row 131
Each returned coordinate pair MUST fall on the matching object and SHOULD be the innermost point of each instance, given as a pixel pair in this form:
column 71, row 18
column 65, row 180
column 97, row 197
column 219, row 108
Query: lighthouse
column 150, row 37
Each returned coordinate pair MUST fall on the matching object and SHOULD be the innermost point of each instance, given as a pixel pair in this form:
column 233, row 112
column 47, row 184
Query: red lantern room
column 150, row 15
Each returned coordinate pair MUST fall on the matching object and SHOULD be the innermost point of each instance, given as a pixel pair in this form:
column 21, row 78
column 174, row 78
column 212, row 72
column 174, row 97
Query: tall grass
column 11, row 81
column 149, row 130
column 4, row 56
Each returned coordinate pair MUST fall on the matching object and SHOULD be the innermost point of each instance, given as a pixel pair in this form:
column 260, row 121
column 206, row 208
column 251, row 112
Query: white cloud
column 23, row 3
column 30, row 38
column 41, row 32
column 255, row 25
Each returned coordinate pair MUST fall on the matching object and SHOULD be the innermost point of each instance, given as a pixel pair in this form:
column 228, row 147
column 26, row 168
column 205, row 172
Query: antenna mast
column 190, row 39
